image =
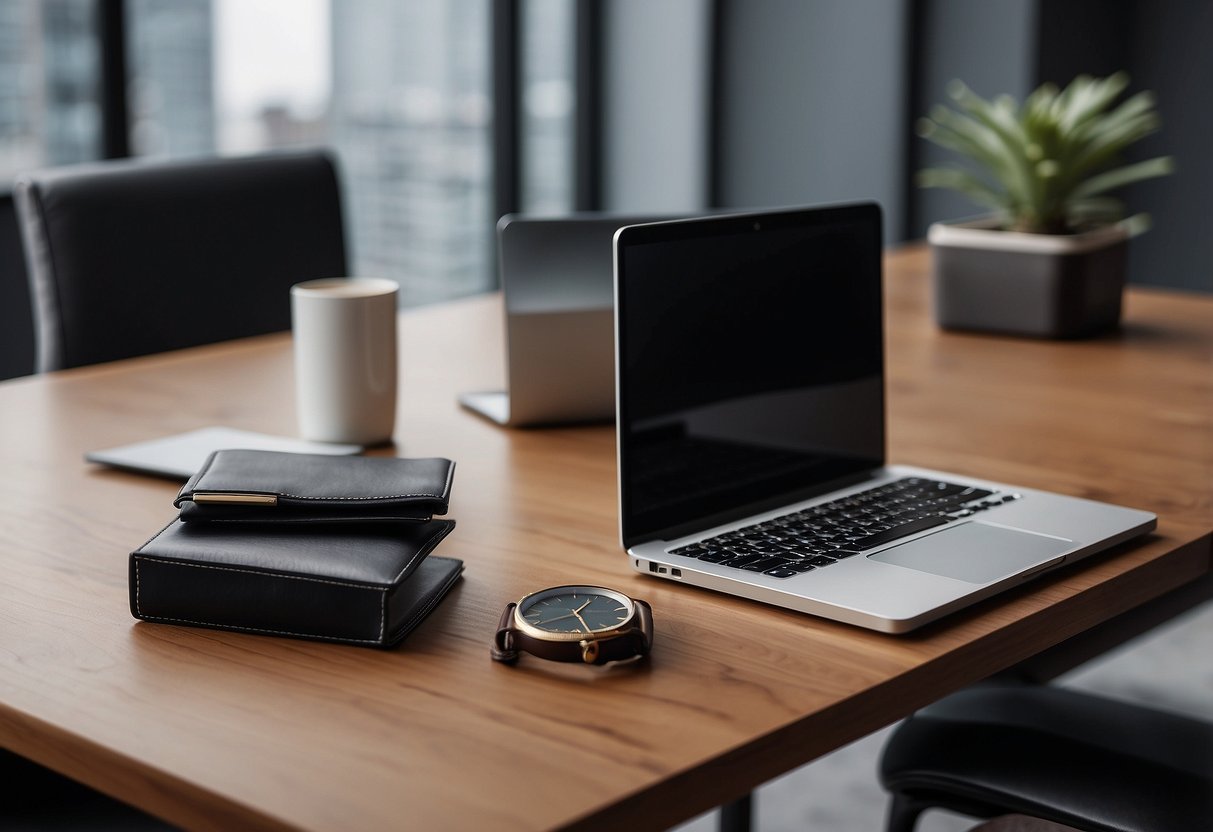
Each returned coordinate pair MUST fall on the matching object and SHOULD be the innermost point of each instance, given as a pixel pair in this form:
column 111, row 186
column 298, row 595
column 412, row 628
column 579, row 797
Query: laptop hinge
column 702, row 524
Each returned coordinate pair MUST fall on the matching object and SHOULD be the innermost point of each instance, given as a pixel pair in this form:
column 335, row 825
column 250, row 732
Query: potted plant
column 1050, row 260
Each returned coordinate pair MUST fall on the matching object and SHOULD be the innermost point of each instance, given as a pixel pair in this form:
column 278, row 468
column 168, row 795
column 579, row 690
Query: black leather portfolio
column 268, row 486
column 361, row 583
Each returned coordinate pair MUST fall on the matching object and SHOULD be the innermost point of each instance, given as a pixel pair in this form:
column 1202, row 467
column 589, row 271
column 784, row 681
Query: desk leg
column 736, row 816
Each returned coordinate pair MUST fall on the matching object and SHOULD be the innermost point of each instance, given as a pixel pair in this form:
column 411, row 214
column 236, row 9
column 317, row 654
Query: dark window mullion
column 916, row 102
column 507, row 156
column 587, row 126
column 115, row 113
column 714, row 174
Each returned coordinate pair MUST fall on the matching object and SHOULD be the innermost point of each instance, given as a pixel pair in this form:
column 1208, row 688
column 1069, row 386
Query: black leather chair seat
column 1057, row 754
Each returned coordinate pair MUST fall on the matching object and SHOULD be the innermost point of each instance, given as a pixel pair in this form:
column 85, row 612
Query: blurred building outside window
column 399, row 89
column 49, row 63
column 547, row 56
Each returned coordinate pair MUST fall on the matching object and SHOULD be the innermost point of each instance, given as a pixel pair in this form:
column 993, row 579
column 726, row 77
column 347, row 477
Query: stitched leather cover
column 316, row 487
column 362, row 584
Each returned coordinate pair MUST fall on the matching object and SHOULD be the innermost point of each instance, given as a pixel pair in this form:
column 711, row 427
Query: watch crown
column 589, row 651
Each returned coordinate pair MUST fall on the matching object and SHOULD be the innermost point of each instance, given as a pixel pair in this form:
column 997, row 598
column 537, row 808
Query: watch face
column 567, row 610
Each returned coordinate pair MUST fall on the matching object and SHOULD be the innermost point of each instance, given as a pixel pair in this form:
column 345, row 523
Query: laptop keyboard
column 824, row 534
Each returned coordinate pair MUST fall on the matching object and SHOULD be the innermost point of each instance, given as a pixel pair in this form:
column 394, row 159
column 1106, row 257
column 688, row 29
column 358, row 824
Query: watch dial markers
column 576, row 612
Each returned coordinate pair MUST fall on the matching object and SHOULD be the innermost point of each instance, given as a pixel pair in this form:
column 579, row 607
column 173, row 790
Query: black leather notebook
column 266, row 486
column 368, row 584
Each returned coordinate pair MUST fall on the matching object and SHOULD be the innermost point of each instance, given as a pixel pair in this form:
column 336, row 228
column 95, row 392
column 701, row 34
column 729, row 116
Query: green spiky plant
column 1045, row 167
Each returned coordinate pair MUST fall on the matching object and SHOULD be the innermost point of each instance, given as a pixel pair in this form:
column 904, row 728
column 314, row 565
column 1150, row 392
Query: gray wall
column 1165, row 46
column 655, row 105
column 815, row 102
column 812, row 103
column 1171, row 52
column 991, row 47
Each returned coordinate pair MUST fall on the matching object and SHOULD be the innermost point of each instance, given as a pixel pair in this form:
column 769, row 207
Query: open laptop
column 751, row 432
column 557, row 284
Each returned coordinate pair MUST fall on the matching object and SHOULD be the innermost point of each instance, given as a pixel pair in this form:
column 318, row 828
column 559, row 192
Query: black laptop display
column 746, row 340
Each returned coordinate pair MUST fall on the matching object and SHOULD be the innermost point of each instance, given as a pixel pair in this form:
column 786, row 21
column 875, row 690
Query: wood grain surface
column 217, row 730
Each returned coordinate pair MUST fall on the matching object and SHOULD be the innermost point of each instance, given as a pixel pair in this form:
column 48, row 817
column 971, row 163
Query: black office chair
column 16, row 323
column 36, row 798
column 135, row 257
column 1047, row 752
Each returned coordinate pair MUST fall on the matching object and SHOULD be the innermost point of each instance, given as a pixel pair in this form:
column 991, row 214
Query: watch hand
column 583, row 606
column 557, row 618
column 582, row 620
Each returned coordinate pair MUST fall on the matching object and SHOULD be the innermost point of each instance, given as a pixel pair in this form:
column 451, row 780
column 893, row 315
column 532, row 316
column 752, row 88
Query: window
column 399, row 88
column 49, row 63
column 411, row 118
column 170, row 80
column 547, row 105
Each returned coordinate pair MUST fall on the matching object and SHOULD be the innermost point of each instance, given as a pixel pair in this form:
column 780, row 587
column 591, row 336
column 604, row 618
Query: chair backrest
column 133, row 257
column 16, row 322
column 1062, row 755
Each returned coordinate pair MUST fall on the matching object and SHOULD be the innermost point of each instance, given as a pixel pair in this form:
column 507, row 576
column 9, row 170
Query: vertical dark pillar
column 507, row 156
column 1169, row 53
column 991, row 46
column 916, row 103
column 587, row 127
column 717, row 60
column 115, row 114
column 1165, row 48
column 1081, row 36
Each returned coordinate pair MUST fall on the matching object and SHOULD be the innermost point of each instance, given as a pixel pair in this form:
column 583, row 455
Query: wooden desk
column 219, row 731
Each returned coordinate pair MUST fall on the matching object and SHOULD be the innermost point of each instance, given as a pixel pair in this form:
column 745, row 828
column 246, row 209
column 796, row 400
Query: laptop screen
column 750, row 364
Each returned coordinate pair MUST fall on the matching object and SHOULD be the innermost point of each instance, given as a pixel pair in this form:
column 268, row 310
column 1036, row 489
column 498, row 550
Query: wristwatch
column 587, row 624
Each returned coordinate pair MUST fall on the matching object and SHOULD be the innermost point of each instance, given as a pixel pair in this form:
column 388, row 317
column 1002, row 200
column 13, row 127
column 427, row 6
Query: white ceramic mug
column 345, row 359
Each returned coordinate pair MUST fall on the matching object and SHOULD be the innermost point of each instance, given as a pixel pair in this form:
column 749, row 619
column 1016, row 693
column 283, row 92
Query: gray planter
column 1041, row 285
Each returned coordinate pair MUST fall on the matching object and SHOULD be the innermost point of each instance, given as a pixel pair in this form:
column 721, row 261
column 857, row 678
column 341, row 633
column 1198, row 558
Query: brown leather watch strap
column 629, row 644
column 644, row 629
column 503, row 643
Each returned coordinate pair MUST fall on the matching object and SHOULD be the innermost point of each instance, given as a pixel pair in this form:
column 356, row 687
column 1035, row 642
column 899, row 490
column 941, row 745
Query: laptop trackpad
column 975, row 552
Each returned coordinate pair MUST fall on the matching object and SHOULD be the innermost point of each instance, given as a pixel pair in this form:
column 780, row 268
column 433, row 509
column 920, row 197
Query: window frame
column 113, row 23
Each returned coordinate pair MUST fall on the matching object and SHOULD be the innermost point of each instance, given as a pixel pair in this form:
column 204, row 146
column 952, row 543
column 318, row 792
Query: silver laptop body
column 737, row 468
column 557, row 285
